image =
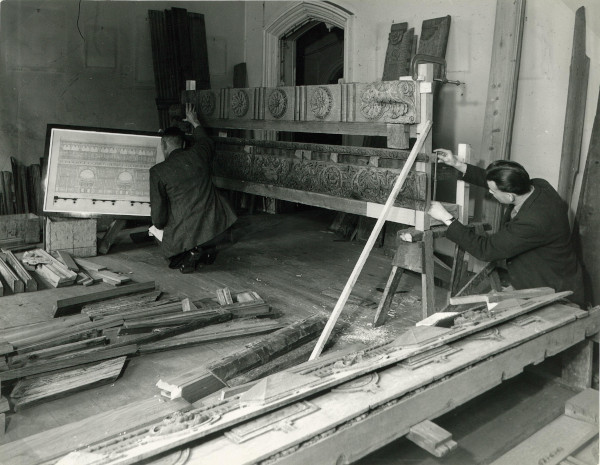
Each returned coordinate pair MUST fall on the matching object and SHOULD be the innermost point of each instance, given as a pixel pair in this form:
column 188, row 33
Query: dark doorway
column 312, row 55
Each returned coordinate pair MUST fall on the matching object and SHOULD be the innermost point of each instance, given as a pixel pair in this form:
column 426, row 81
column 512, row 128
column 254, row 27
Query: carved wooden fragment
column 434, row 39
column 378, row 102
column 399, row 52
column 335, row 179
column 28, row 392
column 316, row 376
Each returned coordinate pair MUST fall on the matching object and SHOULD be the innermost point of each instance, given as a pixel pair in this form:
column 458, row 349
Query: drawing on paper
column 100, row 172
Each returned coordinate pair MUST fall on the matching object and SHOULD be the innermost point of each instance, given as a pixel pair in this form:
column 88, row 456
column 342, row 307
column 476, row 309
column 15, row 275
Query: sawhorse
column 415, row 253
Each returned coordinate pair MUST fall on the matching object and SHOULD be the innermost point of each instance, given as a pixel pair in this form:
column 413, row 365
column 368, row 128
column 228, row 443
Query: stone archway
column 296, row 16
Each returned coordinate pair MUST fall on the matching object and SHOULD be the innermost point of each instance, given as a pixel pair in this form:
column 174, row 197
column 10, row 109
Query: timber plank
column 13, row 281
column 68, row 261
column 21, row 331
column 74, row 304
column 67, row 361
column 575, row 111
column 17, row 360
column 502, row 92
column 213, row 333
column 51, row 444
column 22, row 273
column 584, row 406
column 31, row 391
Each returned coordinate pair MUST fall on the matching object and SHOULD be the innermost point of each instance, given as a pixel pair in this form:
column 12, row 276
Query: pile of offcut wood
column 91, row 337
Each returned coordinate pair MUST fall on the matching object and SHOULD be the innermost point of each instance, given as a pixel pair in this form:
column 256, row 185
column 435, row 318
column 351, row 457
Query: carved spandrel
column 348, row 181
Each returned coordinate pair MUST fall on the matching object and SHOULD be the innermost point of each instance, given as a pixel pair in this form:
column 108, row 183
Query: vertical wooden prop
column 588, row 213
column 502, row 92
column 339, row 306
column 575, row 113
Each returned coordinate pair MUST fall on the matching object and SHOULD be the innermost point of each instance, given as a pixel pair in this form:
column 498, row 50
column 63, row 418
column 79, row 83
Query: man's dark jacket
column 536, row 243
column 183, row 199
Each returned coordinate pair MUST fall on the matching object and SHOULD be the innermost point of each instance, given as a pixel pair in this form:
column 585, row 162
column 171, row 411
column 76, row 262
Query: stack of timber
column 14, row 275
column 179, row 54
column 82, row 346
column 356, row 402
column 52, row 270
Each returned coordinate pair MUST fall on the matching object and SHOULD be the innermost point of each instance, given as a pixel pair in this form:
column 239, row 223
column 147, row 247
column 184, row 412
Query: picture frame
column 93, row 172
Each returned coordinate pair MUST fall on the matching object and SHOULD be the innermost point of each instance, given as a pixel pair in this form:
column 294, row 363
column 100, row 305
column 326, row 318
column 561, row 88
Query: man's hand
column 190, row 115
column 438, row 212
column 448, row 158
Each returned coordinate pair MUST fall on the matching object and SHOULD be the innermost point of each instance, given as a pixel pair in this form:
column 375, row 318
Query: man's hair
column 173, row 135
column 509, row 176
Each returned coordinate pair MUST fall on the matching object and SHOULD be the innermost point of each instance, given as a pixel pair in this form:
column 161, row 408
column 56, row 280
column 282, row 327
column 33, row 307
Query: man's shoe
column 209, row 255
column 190, row 261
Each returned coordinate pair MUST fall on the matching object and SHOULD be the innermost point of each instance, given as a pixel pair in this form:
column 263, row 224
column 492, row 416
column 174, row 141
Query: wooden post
column 577, row 365
column 339, row 306
column 575, row 112
column 502, row 92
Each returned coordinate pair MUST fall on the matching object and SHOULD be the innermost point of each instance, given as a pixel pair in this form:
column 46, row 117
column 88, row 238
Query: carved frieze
column 379, row 102
column 365, row 183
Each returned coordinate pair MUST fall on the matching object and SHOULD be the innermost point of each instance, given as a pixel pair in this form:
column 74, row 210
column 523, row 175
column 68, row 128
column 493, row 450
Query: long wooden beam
column 502, row 92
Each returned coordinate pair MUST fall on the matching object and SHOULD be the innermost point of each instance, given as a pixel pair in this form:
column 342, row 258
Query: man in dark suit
column 534, row 237
column 184, row 202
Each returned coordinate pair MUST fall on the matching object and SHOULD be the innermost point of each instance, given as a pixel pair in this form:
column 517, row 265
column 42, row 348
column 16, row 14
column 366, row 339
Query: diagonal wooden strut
column 339, row 306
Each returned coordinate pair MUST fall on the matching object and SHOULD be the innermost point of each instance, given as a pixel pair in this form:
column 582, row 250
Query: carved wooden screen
column 345, row 178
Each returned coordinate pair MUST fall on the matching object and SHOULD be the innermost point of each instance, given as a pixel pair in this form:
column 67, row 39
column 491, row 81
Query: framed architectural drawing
column 94, row 172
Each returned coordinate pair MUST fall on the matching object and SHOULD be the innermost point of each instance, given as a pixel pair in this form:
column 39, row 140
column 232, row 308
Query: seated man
column 184, row 201
column 534, row 236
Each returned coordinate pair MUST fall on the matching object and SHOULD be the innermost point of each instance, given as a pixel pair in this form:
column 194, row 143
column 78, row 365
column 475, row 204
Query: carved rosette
column 333, row 180
column 321, row 102
column 239, row 102
column 277, row 103
column 207, row 103
column 367, row 184
column 271, row 169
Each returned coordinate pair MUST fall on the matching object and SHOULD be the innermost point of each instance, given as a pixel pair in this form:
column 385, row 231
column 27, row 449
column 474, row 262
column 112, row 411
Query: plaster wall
column 92, row 66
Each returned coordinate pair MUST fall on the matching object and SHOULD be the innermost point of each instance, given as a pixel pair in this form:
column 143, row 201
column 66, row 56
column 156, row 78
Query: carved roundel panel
column 207, row 103
column 277, row 103
column 239, row 103
column 320, row 102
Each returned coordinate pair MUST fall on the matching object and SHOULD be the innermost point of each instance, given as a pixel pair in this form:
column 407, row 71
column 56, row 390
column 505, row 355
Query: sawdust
column 367, row 335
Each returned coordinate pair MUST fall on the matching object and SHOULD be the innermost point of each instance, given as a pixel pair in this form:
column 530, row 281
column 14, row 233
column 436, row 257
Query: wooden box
column 24, row 228
column 76, row 236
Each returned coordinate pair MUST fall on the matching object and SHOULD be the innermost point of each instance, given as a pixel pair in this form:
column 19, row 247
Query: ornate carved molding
column 379, row 102
column 336, row 179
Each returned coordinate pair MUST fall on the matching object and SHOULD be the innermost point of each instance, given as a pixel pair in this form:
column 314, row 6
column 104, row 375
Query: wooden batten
column 22, row 273
column 67, row 360
column 74, row 304
column 11, row 278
